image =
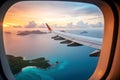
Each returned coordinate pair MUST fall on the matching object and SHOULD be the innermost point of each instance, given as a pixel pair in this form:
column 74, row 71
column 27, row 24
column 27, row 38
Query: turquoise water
column 75, row 63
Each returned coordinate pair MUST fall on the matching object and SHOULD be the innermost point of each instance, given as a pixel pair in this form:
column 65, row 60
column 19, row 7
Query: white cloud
column 31, row 24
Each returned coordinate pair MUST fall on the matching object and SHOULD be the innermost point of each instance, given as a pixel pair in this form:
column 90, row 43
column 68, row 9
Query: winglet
column 48, row 27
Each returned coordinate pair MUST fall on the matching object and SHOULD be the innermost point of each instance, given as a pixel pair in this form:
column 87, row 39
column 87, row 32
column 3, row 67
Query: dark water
column 75, row 63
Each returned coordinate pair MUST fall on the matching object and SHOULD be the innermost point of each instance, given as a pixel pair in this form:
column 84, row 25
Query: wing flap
column 66, row 42
column 73, row 44
column 95, row 53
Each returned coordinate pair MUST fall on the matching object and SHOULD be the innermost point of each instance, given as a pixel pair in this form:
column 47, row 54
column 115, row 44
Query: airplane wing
column 77, row 40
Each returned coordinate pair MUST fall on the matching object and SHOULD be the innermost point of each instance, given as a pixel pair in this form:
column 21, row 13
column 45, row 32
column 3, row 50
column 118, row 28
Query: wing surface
column 77, row 40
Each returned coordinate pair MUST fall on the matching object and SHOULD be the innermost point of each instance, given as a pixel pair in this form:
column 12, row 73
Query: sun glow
column 5, row 25
column 55, row 13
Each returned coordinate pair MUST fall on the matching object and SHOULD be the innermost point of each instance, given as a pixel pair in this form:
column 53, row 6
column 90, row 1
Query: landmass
column 17, row 63
column 62, row 31
column 30, row 32
column 83, row 32
column 7, row 32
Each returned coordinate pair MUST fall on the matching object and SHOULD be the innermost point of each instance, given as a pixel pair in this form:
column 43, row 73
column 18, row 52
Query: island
column 7, row 32
column 83, row 32
column 17, row 63
column 30, row 32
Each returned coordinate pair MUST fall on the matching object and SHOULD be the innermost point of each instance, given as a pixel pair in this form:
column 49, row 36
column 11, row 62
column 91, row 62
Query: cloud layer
column 80, row 24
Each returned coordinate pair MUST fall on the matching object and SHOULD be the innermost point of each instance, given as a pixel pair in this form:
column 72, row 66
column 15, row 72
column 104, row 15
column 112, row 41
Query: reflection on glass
column 31, row 52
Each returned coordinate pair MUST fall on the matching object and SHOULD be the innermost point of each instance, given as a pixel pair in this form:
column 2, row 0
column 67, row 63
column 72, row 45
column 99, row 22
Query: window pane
column 33, row 51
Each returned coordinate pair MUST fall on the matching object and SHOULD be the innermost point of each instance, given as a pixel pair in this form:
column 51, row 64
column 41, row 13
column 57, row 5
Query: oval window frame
column 109, row 48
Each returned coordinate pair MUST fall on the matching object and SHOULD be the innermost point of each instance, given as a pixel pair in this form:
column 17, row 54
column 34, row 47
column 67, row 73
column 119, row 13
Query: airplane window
column 53, row 40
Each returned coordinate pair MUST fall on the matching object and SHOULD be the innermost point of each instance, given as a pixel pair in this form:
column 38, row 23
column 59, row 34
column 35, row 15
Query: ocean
column 74, row 62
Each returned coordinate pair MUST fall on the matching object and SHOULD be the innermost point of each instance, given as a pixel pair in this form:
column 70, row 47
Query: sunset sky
column 33, row 14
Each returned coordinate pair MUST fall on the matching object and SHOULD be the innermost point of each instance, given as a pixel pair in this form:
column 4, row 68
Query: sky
column 33, row 14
